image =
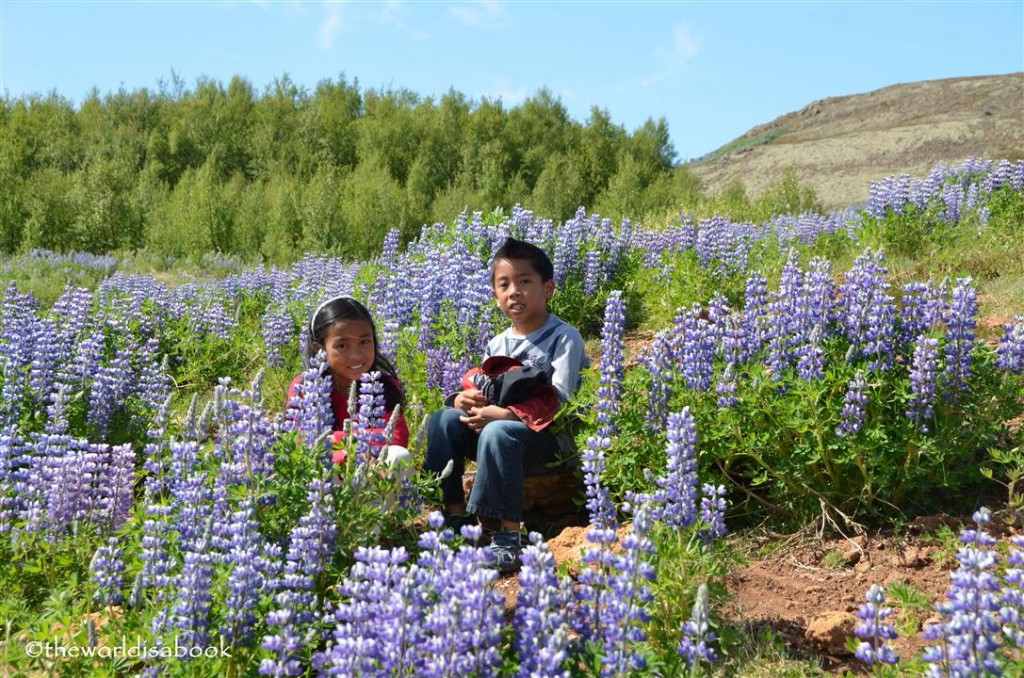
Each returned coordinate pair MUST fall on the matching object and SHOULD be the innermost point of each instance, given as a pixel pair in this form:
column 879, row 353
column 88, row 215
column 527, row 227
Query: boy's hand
column 481, row 416
column 468, row 399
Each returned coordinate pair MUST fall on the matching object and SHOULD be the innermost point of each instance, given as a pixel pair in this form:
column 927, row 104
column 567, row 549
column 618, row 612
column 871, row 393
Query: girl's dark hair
column 337, row 310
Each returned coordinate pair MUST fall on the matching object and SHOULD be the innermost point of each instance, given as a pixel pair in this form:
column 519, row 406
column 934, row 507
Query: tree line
column 268, row 175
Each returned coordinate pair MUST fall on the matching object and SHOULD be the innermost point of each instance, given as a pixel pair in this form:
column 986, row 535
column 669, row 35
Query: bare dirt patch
column 806, row 589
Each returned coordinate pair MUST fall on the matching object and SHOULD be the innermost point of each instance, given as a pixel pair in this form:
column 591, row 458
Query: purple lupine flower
column 1010, row 352
column 115, row 493
column 310, row 412
column 968, row 634
column 591, row 272
column 153, row 380
column 919, row 310
column 733, row 346
column 960, row 323
column 389, row 335
column 1011, row 613
column 369, row 418
column 287, row 643
column 46, row 352
column 377, row 628
column 541, row 624
column 718, row 317
column 71, row 312
column 810, row 364
column 818, row 294
column 695, row 646
column 593, row 584
column 278, row 330
column 310, row 546
column 56, row 412
column 659, row 361
column 786, row 317
column 868, row 310
column 675, row 501
column 155, row 543
column 251, row 434
column 88, row 354
column 107, row 568
column 14, row 459
column 695, row 348
column 923, row 372
column 610, row 390
column 438, row 360
column 111, row 384
column 873, row 630
column 953, row 199
column 854, row 405
column 192, row 501
column 712, row 512
column 464, row 626
column 623, row 612
column 726, row 386
column 599, row 503
column 754, row 312
column 247, row 578
column 191, row 613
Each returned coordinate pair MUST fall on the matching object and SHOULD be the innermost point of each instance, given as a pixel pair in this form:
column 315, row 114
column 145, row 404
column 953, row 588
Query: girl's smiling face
column 350, row 353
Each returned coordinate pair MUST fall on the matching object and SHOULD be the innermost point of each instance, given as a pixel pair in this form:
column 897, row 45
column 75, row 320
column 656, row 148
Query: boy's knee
column 501, row 432
column 445, row 418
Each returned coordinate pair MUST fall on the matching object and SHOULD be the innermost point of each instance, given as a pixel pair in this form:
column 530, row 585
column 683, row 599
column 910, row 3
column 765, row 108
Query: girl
column 344, row 329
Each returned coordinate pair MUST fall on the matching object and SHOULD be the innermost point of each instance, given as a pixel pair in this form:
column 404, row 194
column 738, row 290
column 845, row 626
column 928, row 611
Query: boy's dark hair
column 517, row 249
column 343, row 308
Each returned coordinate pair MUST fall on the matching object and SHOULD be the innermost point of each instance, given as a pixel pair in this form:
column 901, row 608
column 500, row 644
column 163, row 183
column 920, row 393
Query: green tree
column 50, row 213
column 372, row 204
column 327, row 127
column 388, row 132
column 561, row 187
column 537, row 129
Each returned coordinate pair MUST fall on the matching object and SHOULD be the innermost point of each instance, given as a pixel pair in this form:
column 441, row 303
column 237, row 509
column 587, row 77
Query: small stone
column 916, row 557
column 862, row 566
column 829, row 631
column 852, row 556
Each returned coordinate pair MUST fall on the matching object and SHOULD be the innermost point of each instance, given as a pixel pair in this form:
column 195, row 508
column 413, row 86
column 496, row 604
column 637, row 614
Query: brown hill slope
column 840, row 145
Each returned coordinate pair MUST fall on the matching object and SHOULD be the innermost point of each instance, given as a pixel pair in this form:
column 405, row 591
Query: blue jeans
column 505, row 452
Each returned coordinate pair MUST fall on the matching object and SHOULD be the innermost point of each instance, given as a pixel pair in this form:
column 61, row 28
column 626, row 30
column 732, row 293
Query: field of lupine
column 163, row 511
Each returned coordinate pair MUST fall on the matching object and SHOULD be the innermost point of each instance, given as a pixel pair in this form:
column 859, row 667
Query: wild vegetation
column 155, row 487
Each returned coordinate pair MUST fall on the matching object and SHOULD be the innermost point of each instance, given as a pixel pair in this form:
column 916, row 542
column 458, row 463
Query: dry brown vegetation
column 841, row 144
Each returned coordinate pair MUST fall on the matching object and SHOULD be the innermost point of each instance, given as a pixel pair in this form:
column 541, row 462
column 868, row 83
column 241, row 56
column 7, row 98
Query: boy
column 505, row 448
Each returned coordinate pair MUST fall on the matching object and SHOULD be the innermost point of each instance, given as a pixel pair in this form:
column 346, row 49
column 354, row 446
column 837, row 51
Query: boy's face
column 521, row 294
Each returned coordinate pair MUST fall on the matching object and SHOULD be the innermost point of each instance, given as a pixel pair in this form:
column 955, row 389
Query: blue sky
column 711, row 69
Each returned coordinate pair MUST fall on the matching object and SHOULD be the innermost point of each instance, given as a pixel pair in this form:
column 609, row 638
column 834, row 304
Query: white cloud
column 684, row 45
column 331, row 26
column 673, row 58
column 510, row 96
column 486, row 14
column 394, row 14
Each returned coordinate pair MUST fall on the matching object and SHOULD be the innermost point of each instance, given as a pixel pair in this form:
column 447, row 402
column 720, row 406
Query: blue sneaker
column 455, row 522
column 505, row 547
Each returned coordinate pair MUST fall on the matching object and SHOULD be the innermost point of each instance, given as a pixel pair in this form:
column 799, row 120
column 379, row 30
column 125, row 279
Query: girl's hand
column 481, row 416
column 467, row 400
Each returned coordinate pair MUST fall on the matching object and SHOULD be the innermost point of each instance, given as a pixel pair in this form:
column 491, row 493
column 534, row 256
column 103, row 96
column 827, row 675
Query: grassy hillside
column 840, row 144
